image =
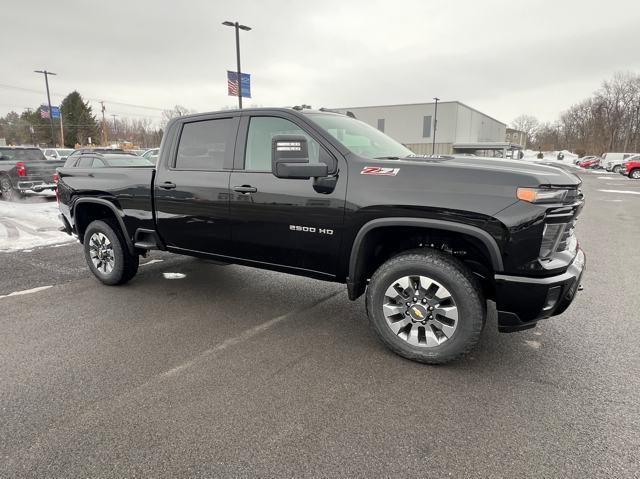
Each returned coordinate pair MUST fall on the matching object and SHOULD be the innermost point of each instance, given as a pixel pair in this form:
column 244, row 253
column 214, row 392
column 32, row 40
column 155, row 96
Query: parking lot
column 202, row 370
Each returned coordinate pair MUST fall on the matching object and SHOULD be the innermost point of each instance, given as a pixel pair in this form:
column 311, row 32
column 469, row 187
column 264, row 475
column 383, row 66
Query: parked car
column 151, row 154
column 591, row 163
column 23, row 169
column 632, row 167
column 327, row 196
column 613, row 161
column 57, row 153
column 584, row 158
column 106, row 160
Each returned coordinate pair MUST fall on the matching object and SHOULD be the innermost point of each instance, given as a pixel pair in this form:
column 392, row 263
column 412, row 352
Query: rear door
column 191, row 188
column 285, row 222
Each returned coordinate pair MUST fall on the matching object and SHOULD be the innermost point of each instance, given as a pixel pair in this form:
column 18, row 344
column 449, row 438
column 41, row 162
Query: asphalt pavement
column 201, row 370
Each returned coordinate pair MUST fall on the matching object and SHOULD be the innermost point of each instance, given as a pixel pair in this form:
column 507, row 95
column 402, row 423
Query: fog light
column 552, row 298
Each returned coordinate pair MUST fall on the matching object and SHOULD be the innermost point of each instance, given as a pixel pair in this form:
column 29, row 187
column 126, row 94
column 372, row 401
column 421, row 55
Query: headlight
column 542, row 195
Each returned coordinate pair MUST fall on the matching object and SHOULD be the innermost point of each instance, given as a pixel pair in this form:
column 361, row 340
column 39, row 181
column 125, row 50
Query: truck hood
column 504, row 171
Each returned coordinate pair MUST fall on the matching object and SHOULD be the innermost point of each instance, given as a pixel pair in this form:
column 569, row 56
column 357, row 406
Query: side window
column 85, row 162
column 203, row 144
column 48, row 152
column 98, row 163
column 262, row 129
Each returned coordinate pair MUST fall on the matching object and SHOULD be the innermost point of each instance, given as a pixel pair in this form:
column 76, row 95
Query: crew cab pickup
column 320, row 194
column 23, row 169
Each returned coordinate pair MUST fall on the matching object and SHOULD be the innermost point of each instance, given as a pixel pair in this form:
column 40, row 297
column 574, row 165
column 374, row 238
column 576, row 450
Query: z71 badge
column 376, row 170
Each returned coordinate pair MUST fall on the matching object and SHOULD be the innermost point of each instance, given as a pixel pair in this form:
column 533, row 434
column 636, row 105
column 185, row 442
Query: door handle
column 245, row 189
column 167, row 185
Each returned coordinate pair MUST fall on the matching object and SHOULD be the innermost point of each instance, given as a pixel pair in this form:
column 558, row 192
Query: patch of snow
column 551, row 156
column 174, row 275
column 30, row 223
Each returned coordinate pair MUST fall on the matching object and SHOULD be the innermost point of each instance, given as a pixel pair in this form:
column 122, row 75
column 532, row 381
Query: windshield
column 360, row 138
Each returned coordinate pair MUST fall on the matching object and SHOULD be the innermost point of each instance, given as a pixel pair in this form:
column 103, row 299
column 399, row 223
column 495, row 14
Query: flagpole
column 61, row 130
column 46, row 81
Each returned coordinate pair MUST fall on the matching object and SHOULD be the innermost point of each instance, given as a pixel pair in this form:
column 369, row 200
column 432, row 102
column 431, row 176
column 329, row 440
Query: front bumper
column 523, row 301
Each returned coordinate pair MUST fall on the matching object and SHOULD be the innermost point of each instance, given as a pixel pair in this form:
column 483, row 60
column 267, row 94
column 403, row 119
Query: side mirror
column 290, row 159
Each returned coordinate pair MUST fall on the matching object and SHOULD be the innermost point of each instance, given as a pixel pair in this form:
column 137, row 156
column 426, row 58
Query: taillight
column 21, row 168
column 56, row 177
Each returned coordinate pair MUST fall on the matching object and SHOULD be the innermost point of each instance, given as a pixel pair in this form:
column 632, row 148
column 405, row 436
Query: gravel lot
column 233, row 371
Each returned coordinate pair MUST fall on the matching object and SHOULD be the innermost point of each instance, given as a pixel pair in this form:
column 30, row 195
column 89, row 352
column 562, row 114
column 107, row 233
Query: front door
column 285, row 222
column 192, row 188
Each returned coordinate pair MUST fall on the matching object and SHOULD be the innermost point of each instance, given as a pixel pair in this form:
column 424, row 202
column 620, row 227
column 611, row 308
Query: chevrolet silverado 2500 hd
column 319, row 194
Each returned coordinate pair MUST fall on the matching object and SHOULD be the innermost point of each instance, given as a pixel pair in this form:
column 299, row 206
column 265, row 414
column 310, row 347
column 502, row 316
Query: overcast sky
column 501, row 57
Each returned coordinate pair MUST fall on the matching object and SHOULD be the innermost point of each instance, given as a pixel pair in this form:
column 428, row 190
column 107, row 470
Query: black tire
column 452, row 275
column 616, row 169
column 7, row 190
column 635, row 174
column 125, row 265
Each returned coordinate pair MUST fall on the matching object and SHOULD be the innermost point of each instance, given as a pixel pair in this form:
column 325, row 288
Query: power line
column 133, row 105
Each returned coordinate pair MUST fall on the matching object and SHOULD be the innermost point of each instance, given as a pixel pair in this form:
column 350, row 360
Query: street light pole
column 238, row 27
column 46, row 82
column 435, row 126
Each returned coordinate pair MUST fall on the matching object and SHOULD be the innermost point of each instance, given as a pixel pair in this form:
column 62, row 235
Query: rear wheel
column 8, row 191
column 616, row 169
column 107, row 254
column 635, row 174
column 426, row 306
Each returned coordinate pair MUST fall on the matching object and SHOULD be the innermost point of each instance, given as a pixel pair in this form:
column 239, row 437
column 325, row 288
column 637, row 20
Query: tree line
column 81, row 127
column 609, row 120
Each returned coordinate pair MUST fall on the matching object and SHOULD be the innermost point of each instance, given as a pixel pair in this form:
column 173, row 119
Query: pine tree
column 79, row 121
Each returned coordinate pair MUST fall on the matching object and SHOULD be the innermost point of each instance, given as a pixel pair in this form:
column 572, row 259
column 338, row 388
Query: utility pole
column 46, row 82
column 435, row 126
column 104, row 125
column 115, row 126
column 238, row 27
column 61, row 131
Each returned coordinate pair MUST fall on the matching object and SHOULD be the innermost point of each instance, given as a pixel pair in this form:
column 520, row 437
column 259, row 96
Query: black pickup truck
column 23, row 169
column 319, row 194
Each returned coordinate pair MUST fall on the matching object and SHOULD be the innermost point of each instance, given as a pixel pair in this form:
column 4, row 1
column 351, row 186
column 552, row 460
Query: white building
column 460, row 128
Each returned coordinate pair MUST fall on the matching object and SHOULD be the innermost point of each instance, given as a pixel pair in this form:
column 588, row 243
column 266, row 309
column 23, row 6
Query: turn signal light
column 541, row 195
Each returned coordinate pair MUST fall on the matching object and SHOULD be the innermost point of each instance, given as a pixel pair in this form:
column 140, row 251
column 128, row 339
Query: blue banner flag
column 232, row 84
column 55, row 112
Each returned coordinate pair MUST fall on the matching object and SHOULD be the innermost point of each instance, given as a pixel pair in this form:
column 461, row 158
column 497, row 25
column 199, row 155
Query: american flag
column 232, row 83
column 44, row 112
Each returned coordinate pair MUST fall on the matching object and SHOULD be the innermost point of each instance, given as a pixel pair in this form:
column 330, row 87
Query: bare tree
column 174, row 112
column 528, row 124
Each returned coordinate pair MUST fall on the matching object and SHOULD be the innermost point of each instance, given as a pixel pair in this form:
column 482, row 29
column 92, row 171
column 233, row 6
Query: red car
column 590, row 163
column 632, row 169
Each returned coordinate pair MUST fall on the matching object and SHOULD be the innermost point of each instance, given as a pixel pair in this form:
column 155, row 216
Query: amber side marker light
column 541, row 195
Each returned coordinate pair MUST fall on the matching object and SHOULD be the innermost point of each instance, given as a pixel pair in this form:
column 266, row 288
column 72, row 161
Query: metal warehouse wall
column 457, row 123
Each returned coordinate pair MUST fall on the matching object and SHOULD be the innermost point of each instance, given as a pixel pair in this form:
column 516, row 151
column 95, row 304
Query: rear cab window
column 206, row 144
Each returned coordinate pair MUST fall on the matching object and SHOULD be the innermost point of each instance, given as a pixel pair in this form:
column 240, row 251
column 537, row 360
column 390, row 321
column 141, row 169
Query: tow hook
column 580, row 287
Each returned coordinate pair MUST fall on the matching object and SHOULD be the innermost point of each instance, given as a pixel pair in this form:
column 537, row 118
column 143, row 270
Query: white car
column 57, row 153
column 151, row 155
column 613, row 161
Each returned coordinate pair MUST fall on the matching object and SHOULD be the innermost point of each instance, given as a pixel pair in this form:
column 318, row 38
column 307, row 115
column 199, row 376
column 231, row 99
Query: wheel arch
column 356, row 280
column 86, row 210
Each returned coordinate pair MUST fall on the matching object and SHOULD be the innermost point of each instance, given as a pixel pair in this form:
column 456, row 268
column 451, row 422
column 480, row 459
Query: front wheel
column 426, row 306
column 635, row 174
column 616, row 169
column 107, row 254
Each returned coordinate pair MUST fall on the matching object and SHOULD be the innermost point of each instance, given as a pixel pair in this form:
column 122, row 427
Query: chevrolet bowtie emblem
column 418, row 313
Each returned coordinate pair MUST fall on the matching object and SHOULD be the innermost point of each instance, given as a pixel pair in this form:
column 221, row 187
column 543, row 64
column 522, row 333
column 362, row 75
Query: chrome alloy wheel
column 420, row 311
column 101, row 253
column 635, row 174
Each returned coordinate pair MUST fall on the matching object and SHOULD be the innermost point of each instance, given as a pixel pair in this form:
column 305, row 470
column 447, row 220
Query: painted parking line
column 626, row 192
column 26, row 291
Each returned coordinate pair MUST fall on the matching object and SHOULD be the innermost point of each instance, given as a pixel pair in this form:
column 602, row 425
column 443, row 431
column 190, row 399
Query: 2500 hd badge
column 311, row 229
